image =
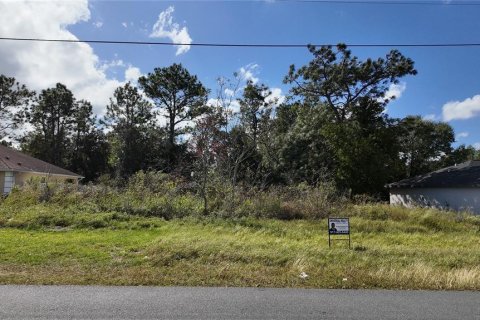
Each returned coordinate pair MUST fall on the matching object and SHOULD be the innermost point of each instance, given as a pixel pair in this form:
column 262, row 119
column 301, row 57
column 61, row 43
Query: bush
column 157, row 195
column 286, row 203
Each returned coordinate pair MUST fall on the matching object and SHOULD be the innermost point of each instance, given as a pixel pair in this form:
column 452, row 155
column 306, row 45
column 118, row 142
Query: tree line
column 332, row 126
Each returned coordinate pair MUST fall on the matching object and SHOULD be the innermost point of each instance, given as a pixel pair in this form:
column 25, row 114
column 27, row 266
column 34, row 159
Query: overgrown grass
column 158, row 195
column 68, row 239
column 155, row 232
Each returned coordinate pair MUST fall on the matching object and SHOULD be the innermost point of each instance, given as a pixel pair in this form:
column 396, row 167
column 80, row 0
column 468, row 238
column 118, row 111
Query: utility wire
column 418, row 3
column 246, row 45
column 361, row 2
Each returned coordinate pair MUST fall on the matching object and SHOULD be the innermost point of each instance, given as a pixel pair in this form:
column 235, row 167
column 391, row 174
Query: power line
column 247, row 45
column 360, row 2
column 419, row 3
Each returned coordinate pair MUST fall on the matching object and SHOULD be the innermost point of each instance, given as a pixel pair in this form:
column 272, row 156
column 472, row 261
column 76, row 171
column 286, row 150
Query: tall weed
column 155, row 194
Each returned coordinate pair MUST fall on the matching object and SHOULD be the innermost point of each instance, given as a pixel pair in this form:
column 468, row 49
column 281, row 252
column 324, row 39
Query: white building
column 454, row 188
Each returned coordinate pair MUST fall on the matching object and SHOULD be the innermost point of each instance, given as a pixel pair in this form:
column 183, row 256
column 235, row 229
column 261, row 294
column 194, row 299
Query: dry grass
column 392, row 248
column 425, row 276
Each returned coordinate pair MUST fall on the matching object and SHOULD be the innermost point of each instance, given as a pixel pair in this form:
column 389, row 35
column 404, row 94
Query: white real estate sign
column 338, row 226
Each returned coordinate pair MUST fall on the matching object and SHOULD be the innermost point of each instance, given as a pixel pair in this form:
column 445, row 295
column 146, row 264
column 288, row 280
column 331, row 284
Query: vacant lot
column 391, row 248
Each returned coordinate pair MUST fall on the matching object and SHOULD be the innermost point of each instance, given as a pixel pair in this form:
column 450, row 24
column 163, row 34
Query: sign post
column 338, row 226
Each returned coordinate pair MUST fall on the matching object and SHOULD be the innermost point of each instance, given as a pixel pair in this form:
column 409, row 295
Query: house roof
column 464, row 175
column 12, row 160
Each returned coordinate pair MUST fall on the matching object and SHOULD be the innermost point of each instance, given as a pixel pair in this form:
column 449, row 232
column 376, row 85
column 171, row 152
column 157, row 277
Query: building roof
column 12, row 160
column 464, row 175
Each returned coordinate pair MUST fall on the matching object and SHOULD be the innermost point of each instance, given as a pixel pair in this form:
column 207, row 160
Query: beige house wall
column 22, row 177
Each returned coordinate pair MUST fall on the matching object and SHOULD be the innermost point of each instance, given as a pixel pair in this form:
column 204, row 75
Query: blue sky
column 447, row 86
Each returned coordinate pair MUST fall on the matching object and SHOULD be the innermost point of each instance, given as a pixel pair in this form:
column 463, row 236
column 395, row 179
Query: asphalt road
column 82, row 302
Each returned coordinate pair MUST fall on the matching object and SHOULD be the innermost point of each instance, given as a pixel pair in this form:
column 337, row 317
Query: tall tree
column 177, row 94
column 14, row 101
column 52, row 116
column 424, row 144
column 246, row 140
column 128, row 108
column 460, row 154
column 65, row 133
column 255, row 107
column 88, row 154
column 367, row 148
column 341, row 81
column 303, row 152
column 347, row 97
column 129, row 117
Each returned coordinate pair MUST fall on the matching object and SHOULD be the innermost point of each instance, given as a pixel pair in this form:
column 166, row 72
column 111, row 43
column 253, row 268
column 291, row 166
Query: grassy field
column 391, row 248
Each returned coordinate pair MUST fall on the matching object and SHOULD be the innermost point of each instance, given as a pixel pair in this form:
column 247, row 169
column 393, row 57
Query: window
column 9, row 182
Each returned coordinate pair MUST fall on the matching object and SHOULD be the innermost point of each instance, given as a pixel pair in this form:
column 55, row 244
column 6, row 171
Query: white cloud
column 276, row 96
column 233, row 105
column 462, row 110
column 431, row 117
column 125, row 25
column 112, row 64
column 249, row 72
column 166, row 28
column 213, row 102
column 461, row 135
column 98, row 24
column 41, row 65
column 394, row 91
column 132, row 74
column 476, row 145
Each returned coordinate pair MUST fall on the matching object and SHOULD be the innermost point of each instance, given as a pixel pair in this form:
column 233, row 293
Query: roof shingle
column 464, row 175
column 12, row 160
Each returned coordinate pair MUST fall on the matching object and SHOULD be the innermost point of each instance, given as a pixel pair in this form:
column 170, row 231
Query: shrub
column 286, row 203
column 155, row 194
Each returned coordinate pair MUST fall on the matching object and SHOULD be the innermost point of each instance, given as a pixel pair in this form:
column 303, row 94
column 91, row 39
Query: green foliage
column 458, row 155
column 146, row 194
column 341, row 121
column 155, row 194
column 333, row 127
column 128, row 108
column 340, row 81
column 286, row 203
column 180, row 94
column 52, row 117
column 133, row 135
column 65, row 133
column 14, row 100
column 255, row 109
column 303, row 152
column 89, row 149
column 424, row 144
